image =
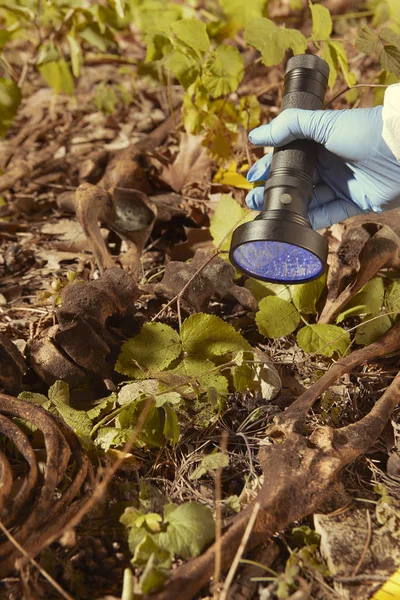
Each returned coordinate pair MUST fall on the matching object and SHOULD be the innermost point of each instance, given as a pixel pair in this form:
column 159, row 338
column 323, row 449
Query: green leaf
column 190, row 529
column 58, row 76
column 329, row 54
column 227, row 216
column 293, row 39
column 323, row 339
column 112, row 436
column 76, row 55
column 10, row 99
column 152, row 577
column 146, row 547
column 372, row 330
column 242, row 377
column 183, row 67
column 171, row 425
column 193, row 34
column 367, row 301
column 132, row 391
column 33, row 398
column 321, row 22
column 207, row 336
column 93, row 36
column 262, row 289
column 240, row 12
column 119, row 6
column 367, row 41
column 392, row 298
column 168, row 398
column 276, row 317
column 390, row 36
column 349, row 76
column 105, row 99
column 105, row 404
column 210, row 463
column 389, row 57
column 306, row 295
column 200, row 372
column 78, row 420
column 154, row 348
column 223, row 71
column 4, row 37
column 272, row 41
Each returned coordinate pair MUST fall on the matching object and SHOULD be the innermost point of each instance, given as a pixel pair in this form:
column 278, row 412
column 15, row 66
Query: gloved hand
column 356, row 172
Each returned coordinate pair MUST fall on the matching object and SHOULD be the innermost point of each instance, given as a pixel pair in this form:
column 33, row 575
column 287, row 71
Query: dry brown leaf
column 191, row 167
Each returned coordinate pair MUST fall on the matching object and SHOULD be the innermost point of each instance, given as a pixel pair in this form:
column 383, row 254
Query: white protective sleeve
column 391, row 119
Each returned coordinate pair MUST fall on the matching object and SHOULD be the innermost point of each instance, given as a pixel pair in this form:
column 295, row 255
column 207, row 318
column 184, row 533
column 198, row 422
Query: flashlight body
column 280, row 245
column 290, row 183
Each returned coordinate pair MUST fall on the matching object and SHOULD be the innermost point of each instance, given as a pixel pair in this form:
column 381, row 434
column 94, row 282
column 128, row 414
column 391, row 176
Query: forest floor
column 166, row 192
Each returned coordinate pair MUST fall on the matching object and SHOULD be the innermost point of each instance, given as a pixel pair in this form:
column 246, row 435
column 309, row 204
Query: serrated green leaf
column 240, row 12
column 10, row 99
column 262, row 289
column 102, row 405
column 171, row 429
column 201, row 372
column 389, row 57
column 392, row 298
column 190, row 529
column 372, row 330
column 193, row 34
column 228, row 214
column 321, row 22
column 157, row 14
column 263, row 35
column 323, row 339
column 108, row 437
column 387, row 34
column 33, row 398
column 183, row 67
column 276, row 317
column 223, row 71
column 210, row 462
column 154, row 348
column 306, row 295
column 293, row 39
column 168, row 398
column 367, row 41
column 132, row 391
column 78, row 420
column 76, row 55
column 367, row 301
column 207, row 336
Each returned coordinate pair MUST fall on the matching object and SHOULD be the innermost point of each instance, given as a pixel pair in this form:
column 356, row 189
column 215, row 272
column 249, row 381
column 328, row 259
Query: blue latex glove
column 356, row 172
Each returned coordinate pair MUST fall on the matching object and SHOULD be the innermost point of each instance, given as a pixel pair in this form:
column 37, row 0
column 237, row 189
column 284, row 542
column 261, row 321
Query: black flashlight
column 280, row 245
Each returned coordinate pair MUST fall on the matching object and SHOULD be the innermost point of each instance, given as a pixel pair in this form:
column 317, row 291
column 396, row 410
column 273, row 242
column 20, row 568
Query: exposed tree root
column 299, row 471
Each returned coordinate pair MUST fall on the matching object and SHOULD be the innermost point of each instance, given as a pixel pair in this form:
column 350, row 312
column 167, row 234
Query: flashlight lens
column 277, row 261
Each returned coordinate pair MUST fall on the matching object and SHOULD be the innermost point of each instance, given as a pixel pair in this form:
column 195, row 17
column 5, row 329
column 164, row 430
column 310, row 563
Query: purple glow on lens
column 277, row 261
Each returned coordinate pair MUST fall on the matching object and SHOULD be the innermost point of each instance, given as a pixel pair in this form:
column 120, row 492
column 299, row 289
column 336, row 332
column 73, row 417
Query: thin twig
column 240, row 550
column 353, row 87
column 361, row 579
column 366, row 545
column 45, row 574
column 218, row 518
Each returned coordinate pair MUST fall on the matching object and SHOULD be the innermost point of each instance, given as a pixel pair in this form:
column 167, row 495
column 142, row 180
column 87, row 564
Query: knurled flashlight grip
column 290, row 183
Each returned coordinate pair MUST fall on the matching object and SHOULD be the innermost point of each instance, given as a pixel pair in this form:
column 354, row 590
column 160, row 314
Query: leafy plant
column 154, row 540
